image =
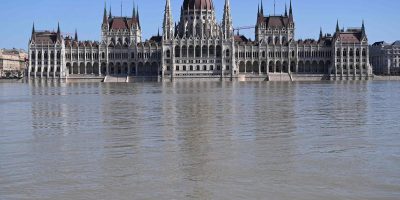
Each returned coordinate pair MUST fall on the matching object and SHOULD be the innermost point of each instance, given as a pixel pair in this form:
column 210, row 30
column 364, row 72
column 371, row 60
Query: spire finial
column 133, row 10
column 105, row 12
column 286, row 10
column 76, row 34
column 363, row 29
column 337, row 26
column 262, row 8
column 33, row 30
column 320, row 33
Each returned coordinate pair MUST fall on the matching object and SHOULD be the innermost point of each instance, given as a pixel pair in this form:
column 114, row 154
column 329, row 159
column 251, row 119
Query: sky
column 381, row 17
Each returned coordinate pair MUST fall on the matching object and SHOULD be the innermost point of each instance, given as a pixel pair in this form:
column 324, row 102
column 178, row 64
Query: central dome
column 198, row 4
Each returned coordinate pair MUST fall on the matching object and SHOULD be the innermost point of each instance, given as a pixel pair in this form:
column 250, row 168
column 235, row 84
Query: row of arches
column 196, row 51
column 118, row 69
column 283, row 67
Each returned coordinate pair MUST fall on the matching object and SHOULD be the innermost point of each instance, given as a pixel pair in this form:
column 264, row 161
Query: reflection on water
column 200, row 140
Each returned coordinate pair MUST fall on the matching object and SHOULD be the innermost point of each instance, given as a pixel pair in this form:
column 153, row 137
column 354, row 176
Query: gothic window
column 177, row 51
column 168, row 53
column 198, row 51
column 283, row 39
column 219, row 51
column 358, row 52
column 351, row 52
column 227, row 53
column 276, row 40
column 184, row 51
column 191, row 51
column 211, row 51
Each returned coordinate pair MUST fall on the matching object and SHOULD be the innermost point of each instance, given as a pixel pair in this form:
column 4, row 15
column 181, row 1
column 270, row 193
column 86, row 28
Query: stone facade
column 198, row 46
column 385, row 58
column 12, row 62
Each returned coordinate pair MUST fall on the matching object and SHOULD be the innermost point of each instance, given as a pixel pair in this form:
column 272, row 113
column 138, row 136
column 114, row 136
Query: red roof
column 275, row 21
column 122, row 22
column 241, row 38
column 350, row 37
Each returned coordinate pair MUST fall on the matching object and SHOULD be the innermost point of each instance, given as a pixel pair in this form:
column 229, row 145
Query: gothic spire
column 227, row 20
column 363, row 30
column 33, row 28
column 110, row 14
column 33, row 32
column 320, row 34
column 337, row 27
column 58, row 32
column 291, row 11
column 286, row 10
column 76, row 35
column 105, row 13
column 133, row 10
column 262, row 8
column 168, row 28
column 137, row 16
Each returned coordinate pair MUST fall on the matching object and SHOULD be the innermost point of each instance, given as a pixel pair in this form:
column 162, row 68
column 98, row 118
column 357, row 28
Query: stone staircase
column 279, row 77
column 116, row 79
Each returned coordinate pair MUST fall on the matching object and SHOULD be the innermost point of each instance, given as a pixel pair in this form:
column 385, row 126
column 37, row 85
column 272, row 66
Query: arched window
column 198, row 51
column 283, row 39
column 219, row 51
column 351, row 52
column 177, row 51
column 227, row 53
column 276, row 40
column 168, row 53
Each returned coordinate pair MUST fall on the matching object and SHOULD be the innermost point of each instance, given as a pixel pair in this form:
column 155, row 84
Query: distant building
column 198, row 46
column 12, row 62
column 385, row 58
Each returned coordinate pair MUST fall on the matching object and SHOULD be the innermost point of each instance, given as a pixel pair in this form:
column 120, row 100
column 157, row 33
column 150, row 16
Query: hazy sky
column 381, row 16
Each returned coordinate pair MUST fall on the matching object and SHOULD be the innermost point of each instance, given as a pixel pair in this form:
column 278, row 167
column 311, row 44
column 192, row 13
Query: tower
column 227, row 27
column 105, row 25
column 168, row 26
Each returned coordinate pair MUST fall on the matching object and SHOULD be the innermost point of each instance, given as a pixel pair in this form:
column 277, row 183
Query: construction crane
column 243, row 28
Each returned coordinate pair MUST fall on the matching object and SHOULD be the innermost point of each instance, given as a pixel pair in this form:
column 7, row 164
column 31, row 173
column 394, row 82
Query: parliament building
column 200, row 46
